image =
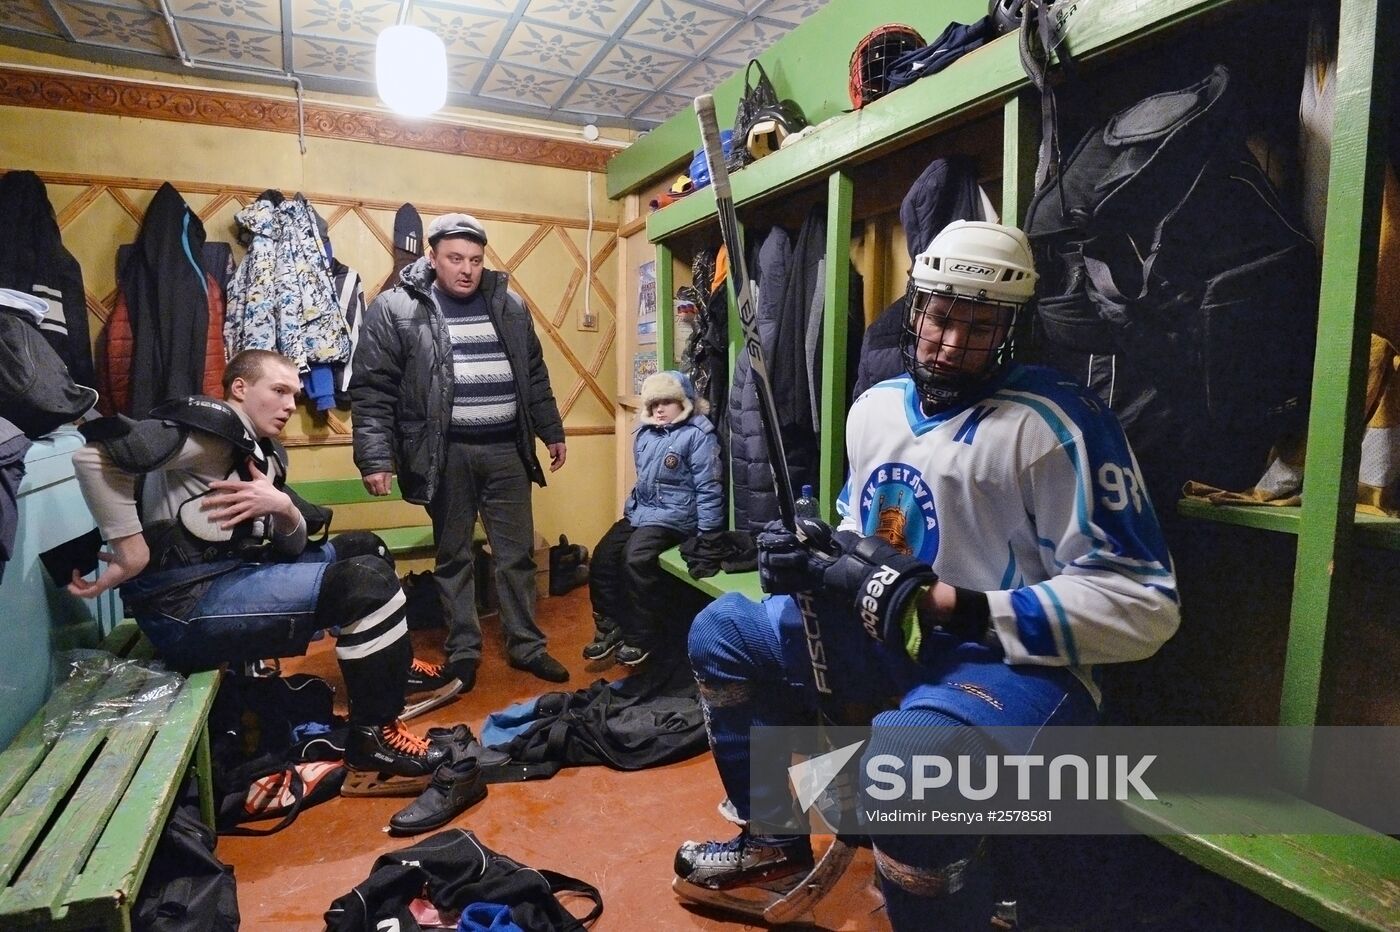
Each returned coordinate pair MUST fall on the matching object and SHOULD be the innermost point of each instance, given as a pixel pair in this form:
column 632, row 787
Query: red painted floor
column 618, row 831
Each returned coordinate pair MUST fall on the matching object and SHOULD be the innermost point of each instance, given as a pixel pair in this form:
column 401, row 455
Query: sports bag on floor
column 453, row 869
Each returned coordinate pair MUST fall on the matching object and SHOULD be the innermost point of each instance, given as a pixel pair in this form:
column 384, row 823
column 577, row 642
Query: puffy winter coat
column 678, row 476
column 401, row 382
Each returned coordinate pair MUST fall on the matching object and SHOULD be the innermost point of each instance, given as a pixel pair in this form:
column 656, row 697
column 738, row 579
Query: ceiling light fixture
column 410, row 68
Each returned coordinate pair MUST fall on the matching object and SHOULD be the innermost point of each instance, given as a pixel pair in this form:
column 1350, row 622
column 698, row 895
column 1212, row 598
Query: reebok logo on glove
column 869, row 603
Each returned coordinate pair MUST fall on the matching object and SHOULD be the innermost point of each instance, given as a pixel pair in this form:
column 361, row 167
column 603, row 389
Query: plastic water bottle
column 806, row 505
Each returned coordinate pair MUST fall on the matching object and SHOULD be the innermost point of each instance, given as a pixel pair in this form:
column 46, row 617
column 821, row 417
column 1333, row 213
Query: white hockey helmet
column 969, row 262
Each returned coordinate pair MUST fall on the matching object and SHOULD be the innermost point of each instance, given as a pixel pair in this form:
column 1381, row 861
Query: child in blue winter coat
column 678, row 494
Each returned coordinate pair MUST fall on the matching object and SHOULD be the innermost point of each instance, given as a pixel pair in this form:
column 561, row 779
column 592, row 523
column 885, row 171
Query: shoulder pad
column 271, row 449
column 135, row 446
column 210, row 415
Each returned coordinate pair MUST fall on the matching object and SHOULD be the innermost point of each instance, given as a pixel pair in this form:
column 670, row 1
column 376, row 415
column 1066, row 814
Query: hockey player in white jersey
column 1016, row 549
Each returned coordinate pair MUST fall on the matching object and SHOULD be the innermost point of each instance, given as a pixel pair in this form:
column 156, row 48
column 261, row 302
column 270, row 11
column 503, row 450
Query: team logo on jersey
column 671, row 461
column 896, row 504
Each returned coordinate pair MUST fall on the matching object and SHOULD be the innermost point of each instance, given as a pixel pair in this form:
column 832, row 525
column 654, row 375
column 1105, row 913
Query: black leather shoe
column 464, row 670
column 456, row 786
column 461, row 740
column 545, row 667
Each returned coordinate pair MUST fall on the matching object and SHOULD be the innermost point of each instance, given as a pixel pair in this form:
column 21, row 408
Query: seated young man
column 214, row 562
column 996, row 543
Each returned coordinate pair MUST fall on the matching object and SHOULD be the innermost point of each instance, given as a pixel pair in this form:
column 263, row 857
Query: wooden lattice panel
column 547, row 258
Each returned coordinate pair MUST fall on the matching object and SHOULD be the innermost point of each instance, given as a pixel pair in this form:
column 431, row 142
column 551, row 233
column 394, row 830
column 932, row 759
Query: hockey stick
column 742, row 290
column 819, row 882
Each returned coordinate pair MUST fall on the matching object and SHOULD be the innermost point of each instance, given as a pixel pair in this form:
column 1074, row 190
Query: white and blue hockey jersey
column 1030, row 494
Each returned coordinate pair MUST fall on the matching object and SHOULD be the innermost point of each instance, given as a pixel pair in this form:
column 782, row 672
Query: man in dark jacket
column 449, row 388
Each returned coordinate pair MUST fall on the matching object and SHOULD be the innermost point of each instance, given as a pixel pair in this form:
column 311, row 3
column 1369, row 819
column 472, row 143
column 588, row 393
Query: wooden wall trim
column 20, row 87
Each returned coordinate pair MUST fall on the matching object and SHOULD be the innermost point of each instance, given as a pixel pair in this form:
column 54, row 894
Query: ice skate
column 389, row 760
column 741, row 875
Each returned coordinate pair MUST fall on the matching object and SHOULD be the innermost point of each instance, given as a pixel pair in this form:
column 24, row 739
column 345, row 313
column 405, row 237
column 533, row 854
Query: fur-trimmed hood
column 671, row 385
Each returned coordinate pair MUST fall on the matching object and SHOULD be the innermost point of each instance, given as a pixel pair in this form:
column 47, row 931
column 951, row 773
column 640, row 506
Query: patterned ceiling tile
column 748, row 41
column 135, row 30
column 353, row 20
column 551, row 48
column 517, row 84
column 638, row 67
column 463, row 73
column 679, row 27
column 700, row 78
column 464, row 32
column 790, row 12
column 662, row 107
column 594, row 97
column 259, row 14
column 28, row 16
column 605, row 16
column 233, row 46
column 634, row 62
column 334, row 59
column 488, row 6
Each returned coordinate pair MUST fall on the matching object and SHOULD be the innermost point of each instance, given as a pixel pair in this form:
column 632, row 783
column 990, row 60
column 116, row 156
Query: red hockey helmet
column 872, row 57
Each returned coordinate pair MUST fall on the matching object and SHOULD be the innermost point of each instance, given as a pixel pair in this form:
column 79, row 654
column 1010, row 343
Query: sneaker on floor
column 632, row 656
column 389, row 760
column 743, row 874
column 429, row 685
column 465, row 671
column 604, row 643
column 545, row 667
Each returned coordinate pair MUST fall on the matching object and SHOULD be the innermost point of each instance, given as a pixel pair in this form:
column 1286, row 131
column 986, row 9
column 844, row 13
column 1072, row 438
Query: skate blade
column 750, row 901
column 426, row 702
column 371, row 783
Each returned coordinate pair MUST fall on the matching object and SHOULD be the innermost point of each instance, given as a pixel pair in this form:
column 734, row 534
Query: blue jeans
column 249, row 612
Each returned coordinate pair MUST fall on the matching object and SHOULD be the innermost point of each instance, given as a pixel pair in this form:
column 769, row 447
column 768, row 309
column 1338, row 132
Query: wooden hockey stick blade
column 815, row 886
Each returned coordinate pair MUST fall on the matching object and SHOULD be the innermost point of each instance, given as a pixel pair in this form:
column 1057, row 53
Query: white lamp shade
column 410, row 69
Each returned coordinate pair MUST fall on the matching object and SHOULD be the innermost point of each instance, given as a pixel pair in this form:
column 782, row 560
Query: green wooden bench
column 401, row 540
column 80, row 814
column 1344, row 877
column 332, row 492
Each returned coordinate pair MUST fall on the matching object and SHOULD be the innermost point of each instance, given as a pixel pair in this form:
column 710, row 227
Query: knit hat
column 671, row 386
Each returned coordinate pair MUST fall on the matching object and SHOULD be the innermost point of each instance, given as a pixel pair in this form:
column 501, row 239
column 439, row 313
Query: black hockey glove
column 880, row 582
column 787, row 564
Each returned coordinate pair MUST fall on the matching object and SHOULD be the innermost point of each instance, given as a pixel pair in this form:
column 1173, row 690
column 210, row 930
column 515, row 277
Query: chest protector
column 145, row 446
column 1165, row 251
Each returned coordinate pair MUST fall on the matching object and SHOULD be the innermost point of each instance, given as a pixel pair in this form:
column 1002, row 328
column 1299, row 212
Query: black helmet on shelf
column 1007, row 14
column 771, row 125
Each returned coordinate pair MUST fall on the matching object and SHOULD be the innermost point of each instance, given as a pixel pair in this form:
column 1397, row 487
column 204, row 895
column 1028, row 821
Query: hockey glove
column 787, row 564
column 881, row 583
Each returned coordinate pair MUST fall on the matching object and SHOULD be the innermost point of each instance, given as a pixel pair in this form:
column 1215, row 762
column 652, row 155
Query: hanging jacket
column 281, row 297
column 33, row 260
column 401, row 386
column 350, row 295
column 114, row 342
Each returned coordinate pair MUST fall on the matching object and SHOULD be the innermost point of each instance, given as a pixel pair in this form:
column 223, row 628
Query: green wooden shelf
column 979, row 83
column 1370, row 530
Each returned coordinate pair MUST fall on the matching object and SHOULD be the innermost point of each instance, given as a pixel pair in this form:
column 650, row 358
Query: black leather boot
column 456, row 786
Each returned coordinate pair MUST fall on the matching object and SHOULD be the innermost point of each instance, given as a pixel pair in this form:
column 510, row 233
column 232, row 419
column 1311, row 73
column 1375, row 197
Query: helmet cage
column 957, row 373
column 873, row 55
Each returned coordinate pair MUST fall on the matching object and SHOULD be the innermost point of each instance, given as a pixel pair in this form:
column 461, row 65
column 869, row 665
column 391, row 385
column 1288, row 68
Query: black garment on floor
column 458, row 870
column 34, row 260
column 642, row 721
column 730, row 551
column 187, row 888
